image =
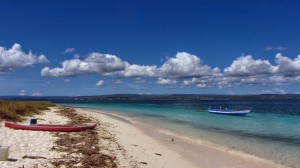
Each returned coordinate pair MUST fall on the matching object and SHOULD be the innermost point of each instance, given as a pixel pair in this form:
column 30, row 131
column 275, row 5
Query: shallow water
column 271, row 130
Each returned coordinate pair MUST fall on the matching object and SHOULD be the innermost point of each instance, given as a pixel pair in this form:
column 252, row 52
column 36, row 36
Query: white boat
column 228, row 112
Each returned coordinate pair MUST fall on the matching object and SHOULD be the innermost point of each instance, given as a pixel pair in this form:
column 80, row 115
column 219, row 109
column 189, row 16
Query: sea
column 271, row 130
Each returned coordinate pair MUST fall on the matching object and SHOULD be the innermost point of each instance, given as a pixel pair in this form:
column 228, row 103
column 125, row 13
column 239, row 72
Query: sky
column 78, row 48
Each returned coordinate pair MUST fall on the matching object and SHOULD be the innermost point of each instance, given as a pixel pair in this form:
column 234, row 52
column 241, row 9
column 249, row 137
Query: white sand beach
column 134, row 145
column 142, row 143
column 30, row 143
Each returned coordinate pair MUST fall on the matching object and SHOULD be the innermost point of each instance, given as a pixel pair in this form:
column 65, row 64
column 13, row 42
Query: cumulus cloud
column 69, row 50
column 189, row 82
column 247, row 71
column 187, row 68
column 100, row 83
column 138, row 71
column 166, row 81
column 103, row 64
column 14, row 58
column 185, row 65
column 246, row 65
column 286, row 66
column 200, row 85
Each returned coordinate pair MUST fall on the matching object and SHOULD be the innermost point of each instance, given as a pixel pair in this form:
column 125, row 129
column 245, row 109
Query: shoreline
column 139, row 147
column 196, row 151
column 131, row 142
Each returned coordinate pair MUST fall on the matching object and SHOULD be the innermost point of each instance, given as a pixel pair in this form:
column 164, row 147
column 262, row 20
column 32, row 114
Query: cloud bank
column 14, row 58
column 187, row 70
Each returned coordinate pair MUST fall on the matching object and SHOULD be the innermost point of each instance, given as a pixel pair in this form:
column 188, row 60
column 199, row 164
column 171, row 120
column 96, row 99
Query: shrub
column 17, row 110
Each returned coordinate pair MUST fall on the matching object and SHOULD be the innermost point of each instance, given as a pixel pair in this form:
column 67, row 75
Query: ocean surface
column 271, row 130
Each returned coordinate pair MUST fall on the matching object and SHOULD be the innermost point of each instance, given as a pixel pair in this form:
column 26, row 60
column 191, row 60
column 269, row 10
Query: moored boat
column 229, row 112
column 50, row 127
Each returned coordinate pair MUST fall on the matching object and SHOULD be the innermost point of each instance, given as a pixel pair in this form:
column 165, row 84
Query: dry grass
column 16, row 110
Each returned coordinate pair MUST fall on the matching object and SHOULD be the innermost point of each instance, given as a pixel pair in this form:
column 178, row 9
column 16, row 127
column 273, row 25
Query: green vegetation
column 17, row 110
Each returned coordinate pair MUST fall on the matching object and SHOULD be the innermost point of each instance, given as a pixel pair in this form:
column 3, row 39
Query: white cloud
column 268, row 48
column 190, row 82
column 166, row 81
column 67, row 80
column 36, row 93
column 185, row 65
column 273, row 91
column 14, row 58
column 118, row 82
column 69, row 50
column 100, row 83
column 139, row 80
column 286, row 66
column 284, row 80
column 187, row 68
column 200, row 85
column 202, row 82
column 103, row 64
column 246, row 65
column 76, row 56
column 138, row 71
column 22, row 93
column 278, row 48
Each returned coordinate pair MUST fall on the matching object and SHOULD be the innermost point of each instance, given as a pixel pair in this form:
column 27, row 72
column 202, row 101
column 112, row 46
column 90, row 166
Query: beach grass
column 16, row 110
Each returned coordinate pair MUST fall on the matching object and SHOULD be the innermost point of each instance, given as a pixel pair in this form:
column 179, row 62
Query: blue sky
column 149, row 47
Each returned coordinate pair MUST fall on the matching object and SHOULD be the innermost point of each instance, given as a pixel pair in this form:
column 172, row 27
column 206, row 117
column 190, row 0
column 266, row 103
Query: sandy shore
column 24, row 143
column 132, row 143
column 143, row 143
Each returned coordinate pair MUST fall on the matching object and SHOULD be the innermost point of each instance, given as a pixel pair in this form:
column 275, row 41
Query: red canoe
column 50, row 127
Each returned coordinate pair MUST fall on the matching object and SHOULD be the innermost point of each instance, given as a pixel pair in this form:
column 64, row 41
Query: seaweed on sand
column 81, row 149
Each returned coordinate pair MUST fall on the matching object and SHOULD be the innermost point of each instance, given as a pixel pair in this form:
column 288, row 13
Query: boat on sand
column 50, row 127
column 228, row 112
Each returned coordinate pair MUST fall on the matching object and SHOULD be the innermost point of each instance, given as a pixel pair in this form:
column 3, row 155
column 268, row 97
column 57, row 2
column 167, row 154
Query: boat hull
column 49, row 127
column 234, row 113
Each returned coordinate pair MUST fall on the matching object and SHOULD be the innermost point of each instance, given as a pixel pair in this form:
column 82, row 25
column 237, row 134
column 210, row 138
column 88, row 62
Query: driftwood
column 33, row 157
column 158, row 154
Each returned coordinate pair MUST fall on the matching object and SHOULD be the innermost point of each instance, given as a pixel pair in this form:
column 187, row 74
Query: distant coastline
column 139, row 97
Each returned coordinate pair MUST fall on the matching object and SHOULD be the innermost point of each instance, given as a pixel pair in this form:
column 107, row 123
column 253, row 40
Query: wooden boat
column 229, row 112
column 50, row 127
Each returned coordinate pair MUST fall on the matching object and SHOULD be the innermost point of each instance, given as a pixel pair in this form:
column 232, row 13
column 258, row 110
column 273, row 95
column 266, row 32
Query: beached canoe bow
column 50, row 127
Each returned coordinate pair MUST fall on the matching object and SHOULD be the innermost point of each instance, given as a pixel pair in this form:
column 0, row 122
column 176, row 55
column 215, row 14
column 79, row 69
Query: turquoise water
column 271, row 130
